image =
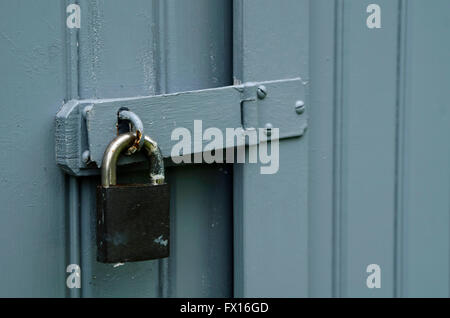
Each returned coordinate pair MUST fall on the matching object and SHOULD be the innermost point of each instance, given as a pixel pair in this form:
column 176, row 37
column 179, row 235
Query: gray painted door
column 123, row 49
column 369, row 183
column 379, row 154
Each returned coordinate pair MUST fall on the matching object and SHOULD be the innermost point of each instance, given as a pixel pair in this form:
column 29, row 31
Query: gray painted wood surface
column 379, row 161
column 368, row 183
column 32, row 219
column 160, row 57
column 271, row 215
column 424, row 183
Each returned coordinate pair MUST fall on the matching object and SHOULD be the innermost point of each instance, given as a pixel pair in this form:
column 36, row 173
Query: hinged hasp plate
column 84, row 128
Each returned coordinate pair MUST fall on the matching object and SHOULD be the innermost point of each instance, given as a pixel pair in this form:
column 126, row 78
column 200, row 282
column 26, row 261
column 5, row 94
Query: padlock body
column 133, row 223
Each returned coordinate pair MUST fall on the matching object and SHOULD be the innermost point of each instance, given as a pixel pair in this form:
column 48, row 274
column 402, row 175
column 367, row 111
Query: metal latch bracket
column 84, row 128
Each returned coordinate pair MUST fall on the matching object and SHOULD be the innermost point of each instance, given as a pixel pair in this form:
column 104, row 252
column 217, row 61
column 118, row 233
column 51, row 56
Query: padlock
column 133, row 222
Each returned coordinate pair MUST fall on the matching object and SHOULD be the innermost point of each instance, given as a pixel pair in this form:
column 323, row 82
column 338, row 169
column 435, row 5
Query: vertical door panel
column 138, row 48
column 367, row 140
column 321, row 132
column 390, row 157
column 196, row 43
column 197, row 53
column 117, row 49
column 271, row 215
column 426, row 163
column 33, row 88
column 201, row 251
column 116, row 60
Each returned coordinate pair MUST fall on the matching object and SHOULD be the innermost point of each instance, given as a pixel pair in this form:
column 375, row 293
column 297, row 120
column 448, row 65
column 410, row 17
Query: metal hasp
column 85, row 127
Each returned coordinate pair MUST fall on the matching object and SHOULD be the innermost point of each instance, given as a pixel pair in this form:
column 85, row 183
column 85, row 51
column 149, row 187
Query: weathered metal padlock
column 133, row 222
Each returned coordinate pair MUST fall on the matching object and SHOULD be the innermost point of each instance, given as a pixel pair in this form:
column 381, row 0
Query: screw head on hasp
column 300, row 107
column 261, row 92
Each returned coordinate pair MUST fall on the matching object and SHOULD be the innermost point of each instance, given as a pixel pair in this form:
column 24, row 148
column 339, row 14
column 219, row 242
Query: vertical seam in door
column 239, row 284
column 238, row 42
column 73, row 89
column 400, row 149
column 337, row 150
column 72, row 52
column 159, row 45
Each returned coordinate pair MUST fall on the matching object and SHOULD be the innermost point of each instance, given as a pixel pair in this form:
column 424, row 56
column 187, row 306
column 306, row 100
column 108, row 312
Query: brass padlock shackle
column 120, row 144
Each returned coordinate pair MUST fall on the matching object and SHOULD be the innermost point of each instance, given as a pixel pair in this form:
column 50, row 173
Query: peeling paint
column 161, row 241
column 118, row 265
